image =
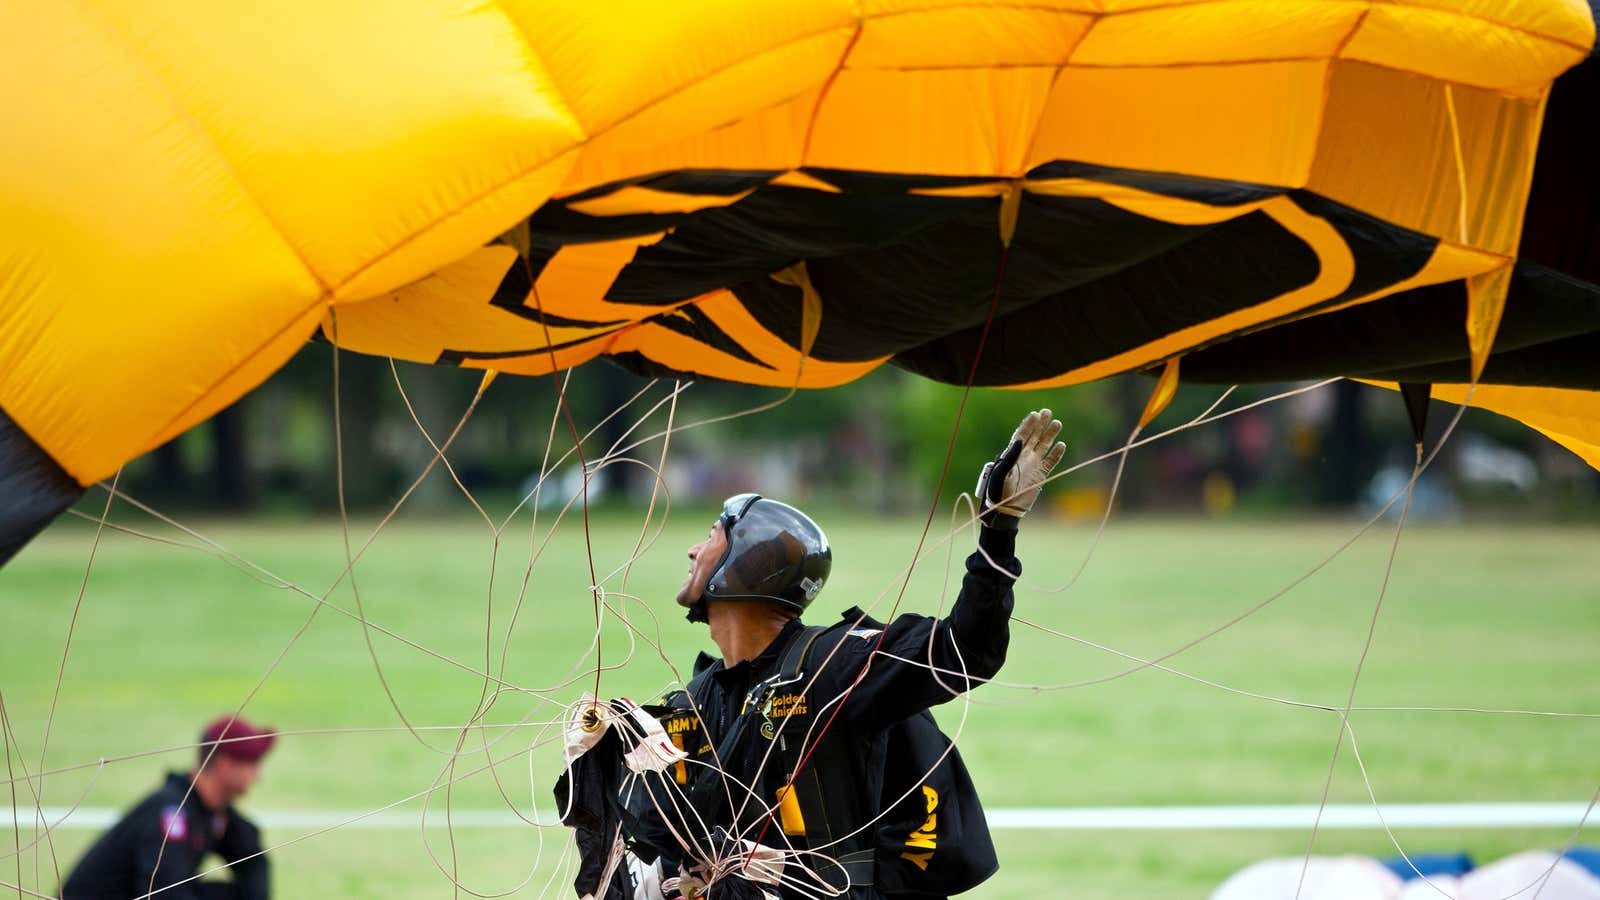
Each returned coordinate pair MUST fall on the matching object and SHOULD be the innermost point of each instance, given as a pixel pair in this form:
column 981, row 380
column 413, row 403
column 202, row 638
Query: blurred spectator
column 158, row 845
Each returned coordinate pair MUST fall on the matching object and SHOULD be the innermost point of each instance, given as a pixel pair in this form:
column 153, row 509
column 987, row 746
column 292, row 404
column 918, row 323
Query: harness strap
column 833, row 809
column 794, row 656
column 860, row 866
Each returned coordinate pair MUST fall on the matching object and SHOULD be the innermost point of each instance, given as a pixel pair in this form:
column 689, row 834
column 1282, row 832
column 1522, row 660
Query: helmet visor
column 734, row 508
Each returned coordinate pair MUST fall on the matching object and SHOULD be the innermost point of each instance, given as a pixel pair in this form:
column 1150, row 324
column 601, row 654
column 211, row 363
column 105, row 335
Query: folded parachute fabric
column 586, row 796
column 604, row 742
column 1316, row 878
column 1535, row 873
column 1551, row 876
column 1433, row 887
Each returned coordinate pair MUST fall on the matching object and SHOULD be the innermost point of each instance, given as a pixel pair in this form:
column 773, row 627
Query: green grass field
column 1475, row 616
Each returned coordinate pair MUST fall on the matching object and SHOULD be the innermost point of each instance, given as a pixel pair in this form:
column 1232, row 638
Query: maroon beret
column 239, row 739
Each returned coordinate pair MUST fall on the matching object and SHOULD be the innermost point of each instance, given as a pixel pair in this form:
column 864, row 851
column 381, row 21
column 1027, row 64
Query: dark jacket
column 973, row 639
column 119, row 865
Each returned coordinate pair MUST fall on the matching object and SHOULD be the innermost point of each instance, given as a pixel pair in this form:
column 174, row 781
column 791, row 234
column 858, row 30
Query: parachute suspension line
column 61, row 674
column 47, row 835
column 1253, row 695
column 1355, row 679
column 1159, row 398
column 11, row 774
column 422, row 794
column 1297, row 581
column 101, row 762
column 944, row 594
column 655, row 486
column 1166, row 387
column 1204, row 418
column 344, row 525
column 583, row 468
column 1377, row 808
column 486, row 700
column 405, row 399
column 492, row 766
column 321, row 601
column 1540, row 880
column 588, row 540
column 265, row 577
column 293, row 639
column 546, row 466
column 1010, row 203
column 1423, row 461
column 536, row 549
column 1572, row 841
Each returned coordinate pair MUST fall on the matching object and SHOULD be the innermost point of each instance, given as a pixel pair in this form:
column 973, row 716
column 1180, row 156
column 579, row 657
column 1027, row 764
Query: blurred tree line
column 881, row 443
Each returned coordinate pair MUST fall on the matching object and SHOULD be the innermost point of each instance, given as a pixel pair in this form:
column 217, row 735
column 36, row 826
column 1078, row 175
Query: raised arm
column 974, row 637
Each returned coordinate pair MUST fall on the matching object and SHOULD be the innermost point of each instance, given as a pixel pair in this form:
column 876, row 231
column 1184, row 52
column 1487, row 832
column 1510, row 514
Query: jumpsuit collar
column 762, row 662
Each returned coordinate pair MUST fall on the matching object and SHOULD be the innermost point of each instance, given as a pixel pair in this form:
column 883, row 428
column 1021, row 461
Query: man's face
column 234, row 775
column 703, row 558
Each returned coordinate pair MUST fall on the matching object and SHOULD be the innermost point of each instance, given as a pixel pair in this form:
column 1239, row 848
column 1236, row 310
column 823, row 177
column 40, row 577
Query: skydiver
column 880, row 804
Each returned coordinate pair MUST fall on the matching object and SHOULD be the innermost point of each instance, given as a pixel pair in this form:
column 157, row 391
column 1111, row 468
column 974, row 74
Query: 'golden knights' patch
column 785, row 705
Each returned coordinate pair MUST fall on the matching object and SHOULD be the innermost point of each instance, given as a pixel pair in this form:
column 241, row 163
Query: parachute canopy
column 787, row 193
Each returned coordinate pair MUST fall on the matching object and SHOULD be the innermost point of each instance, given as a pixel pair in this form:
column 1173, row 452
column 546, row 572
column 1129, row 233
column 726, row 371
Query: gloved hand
column 1010, row 483
column 646, row 879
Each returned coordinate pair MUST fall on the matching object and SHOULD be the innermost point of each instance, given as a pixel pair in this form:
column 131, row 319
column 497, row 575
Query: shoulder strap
column 758, row 701
column 794, row 655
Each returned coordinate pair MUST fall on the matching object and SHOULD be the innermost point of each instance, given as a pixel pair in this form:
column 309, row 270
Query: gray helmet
column 775, row 552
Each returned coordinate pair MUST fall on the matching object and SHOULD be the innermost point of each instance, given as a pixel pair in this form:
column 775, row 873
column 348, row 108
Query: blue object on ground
column 1431, row 864
column 1588, row 857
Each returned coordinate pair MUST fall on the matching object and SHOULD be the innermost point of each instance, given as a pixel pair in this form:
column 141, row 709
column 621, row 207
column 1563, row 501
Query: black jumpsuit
column 973, row 638
column 119, row 865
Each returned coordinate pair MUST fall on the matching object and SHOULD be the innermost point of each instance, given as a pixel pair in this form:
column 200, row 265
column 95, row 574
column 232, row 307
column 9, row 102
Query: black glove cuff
column 995, row 520
column 999, row 543
column 993, row 488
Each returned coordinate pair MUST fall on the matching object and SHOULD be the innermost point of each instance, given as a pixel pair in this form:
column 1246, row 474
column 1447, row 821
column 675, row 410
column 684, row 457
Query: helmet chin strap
column 699, row 612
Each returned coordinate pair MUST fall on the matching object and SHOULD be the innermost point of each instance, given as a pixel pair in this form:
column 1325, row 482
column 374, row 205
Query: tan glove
column 1010, row 483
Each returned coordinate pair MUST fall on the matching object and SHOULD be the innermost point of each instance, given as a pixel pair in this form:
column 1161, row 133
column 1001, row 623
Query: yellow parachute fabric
column 1570, row 418
column 188, row 189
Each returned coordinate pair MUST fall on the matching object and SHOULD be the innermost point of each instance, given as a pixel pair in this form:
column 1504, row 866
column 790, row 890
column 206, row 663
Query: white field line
column 1352, row 816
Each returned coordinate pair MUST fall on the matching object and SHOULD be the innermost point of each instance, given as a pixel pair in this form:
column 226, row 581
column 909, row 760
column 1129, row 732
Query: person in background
column 158, row 845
